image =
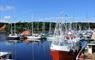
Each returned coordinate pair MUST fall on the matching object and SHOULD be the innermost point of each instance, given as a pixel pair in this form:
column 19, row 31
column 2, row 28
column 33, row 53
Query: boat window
column 56, row 42
column 61, row 43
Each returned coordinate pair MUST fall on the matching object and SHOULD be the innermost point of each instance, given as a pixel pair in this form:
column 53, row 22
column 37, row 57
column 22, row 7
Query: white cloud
column 5, row 19
column 6, row 8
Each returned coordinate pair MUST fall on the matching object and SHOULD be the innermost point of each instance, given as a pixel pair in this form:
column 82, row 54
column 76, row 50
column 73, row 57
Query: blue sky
column 47, row 10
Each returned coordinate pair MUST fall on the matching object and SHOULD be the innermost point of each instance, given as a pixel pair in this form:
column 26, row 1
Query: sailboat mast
column 50, row 27
column 43, row 27
column 14, row 28
column 88, row 25
column 11, row 29
column 70, row 25
column 32, row 27
column 37, row 26
column 76, row 26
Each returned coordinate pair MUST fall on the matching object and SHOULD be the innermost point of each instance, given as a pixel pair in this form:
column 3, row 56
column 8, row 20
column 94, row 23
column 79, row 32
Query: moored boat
column 13, row 35
column 65, row 45
column 6, row 56
column 66, row 49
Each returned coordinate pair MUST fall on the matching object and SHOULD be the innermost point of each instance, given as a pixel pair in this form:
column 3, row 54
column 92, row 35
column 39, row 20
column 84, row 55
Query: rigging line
column 77, row 57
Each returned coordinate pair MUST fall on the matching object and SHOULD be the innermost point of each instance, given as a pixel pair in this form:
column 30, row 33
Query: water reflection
column 27, row 51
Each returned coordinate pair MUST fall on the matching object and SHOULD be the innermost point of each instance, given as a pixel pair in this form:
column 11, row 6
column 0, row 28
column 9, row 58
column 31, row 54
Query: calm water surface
column 26, row 51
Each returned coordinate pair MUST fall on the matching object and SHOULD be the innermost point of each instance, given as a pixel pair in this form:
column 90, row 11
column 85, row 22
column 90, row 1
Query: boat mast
column 76, row 26
column 70, row 26
column 50, row 28
column 11, row 28
column 80, row 28
column 32, row 26
column 89, row 26
column 38, row 25
column 43, row 27
column 65, row 24
column 14, row 28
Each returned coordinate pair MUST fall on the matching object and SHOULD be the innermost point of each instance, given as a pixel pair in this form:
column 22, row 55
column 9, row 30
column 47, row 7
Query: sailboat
column 50, row 36
column 33, row 37
column 43, row 33
column 65, row 45
column 13, row 35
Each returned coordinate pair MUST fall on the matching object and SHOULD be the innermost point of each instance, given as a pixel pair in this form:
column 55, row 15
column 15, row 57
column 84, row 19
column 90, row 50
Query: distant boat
column 43, row 33
column 30, row 36
column 33, row 36
column 13, row 35
column 50, row 35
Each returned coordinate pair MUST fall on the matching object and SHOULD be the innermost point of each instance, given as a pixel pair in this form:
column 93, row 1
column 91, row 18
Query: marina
column 62, row 44
column 47, row 29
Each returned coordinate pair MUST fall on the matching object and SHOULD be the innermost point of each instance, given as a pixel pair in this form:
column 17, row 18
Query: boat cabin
column 91, row 47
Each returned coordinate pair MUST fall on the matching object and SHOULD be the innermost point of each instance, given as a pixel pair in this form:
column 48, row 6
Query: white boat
column 6, row 56
column 33, row 37
column 50, row 36
column 13, row 35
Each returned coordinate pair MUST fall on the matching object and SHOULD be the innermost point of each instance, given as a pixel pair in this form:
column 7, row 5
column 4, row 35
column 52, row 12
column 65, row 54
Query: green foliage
column 28, row 25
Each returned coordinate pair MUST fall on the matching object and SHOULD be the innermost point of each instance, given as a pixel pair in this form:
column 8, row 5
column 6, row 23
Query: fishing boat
column 65, row 45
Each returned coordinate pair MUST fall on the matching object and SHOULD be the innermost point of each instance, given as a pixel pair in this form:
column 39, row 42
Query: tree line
column 38, row 26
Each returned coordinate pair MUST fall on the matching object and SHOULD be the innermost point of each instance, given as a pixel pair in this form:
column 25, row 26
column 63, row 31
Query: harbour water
column 26, row 51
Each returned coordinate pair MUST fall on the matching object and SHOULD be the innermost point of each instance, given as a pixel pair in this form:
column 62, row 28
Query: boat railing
column 77, row 57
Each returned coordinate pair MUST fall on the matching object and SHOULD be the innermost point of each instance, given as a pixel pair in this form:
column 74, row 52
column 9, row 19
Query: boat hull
column 63, row 55
column 13, row 38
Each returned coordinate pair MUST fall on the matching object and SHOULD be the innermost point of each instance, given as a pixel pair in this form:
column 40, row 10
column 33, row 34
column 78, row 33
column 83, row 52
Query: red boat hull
column 63, row 55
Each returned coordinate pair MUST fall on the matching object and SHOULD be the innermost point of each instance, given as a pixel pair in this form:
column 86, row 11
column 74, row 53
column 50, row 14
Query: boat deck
column 89, row 56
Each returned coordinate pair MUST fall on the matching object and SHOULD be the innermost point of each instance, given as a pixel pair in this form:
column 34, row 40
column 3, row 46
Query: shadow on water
column 26, row 51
